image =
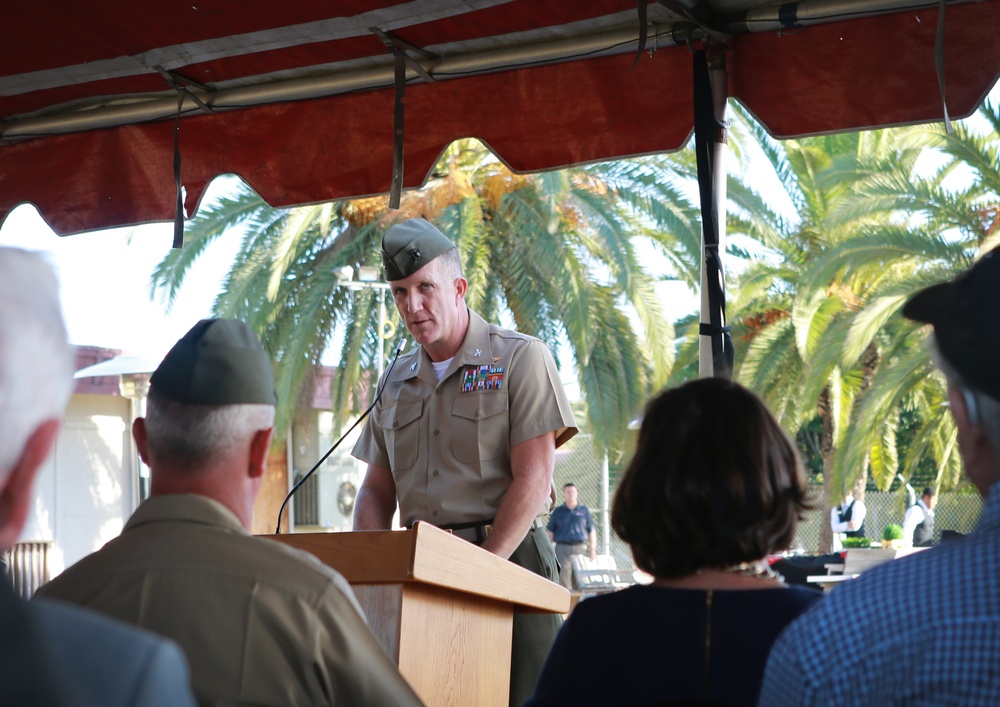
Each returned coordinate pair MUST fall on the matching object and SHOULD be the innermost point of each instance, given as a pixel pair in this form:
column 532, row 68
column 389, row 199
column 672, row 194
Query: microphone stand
column 378, row 395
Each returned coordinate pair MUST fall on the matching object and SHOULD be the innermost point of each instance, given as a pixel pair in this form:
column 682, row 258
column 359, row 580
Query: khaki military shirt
column 448, row 443
column 260, row 623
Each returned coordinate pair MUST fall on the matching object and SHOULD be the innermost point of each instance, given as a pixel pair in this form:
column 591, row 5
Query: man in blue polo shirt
column 571, row 528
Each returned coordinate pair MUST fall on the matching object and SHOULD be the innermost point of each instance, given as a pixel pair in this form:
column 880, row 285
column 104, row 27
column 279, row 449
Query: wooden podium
column 441, row 607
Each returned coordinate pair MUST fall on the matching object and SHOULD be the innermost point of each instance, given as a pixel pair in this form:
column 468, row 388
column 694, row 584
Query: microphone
column 378, row 395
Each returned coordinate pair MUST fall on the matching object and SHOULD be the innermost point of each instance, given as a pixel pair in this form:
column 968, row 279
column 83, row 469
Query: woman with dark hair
column 714, row 487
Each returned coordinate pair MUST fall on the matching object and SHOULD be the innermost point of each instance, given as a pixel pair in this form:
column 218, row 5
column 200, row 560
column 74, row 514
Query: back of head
column 36, row 361
column 714, row 481
column 211, row 392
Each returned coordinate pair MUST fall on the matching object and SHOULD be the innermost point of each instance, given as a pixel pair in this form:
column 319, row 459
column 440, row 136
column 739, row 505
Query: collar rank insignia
column 477, row 353
column 414, row 366
column 482, row 378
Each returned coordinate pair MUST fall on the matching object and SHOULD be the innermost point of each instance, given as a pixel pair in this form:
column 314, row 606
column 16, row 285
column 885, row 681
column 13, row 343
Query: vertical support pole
column 381, row 332
column 605, row 505
column 710, row 92
column 290, row 477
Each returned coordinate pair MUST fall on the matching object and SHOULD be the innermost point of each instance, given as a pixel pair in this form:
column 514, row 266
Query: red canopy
column 297, row 98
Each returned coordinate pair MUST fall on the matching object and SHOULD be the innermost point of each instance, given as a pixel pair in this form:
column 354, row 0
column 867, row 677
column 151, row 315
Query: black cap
column 409, row 246
column 218, row 362
column 966, row 322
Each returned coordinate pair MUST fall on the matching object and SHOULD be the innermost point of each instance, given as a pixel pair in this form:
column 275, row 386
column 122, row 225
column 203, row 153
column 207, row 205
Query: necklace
column 755, row 570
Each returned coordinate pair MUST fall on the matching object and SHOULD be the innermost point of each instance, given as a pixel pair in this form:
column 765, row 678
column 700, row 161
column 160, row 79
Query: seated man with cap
column 931, row 621
column 465, row 433
column 261, row 623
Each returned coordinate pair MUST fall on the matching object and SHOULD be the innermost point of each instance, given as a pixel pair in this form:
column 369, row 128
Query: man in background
column 572, row 529
column 918, row 523
column 52, row 654
column 261, row 623
column 847, row 521
column 931, row 620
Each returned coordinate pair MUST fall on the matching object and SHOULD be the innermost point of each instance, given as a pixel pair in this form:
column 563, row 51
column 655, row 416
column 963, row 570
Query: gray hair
column 989, row 408
column 450, row 263
column 36, row 360
column 197, row 435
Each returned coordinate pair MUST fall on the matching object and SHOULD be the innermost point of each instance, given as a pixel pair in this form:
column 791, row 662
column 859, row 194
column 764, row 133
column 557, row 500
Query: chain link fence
column 577, row 462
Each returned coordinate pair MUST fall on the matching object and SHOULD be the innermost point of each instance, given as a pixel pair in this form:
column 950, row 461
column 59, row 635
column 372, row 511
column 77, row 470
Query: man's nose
column 414, row 303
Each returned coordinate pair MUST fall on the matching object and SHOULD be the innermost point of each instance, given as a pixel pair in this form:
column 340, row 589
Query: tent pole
column 715, row 347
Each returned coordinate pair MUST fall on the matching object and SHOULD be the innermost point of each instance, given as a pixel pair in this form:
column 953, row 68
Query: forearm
column 513, row 519
column 375, row 503
column 531, row 483
column 370, row 512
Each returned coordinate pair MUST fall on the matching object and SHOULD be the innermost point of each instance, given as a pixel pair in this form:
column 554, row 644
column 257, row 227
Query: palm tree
column 796, row 315
column 561, row 255
column 937, row 226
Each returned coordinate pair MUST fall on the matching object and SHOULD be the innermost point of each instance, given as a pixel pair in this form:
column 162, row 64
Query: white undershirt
column 440, row 367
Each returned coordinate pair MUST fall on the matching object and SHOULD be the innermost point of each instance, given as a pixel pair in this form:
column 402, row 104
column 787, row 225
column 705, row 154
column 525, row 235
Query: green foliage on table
column 893, row 531
column 857, row 542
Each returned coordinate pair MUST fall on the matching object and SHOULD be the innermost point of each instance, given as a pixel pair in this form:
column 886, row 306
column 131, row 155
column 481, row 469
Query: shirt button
column 438, row 391
column 395, row 422
column 477, row 413
column 434, row 473
column 434, row 513
column 437, row 432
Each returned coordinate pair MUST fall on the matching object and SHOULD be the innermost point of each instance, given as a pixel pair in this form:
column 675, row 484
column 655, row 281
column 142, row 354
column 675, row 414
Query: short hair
column 715, row 481
column 450, row 263
column 36, row 360
column 567, row 485
column 927, row 492
column 197, row 435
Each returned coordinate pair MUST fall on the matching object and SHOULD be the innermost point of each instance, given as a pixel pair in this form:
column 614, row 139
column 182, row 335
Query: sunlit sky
column 104, row 279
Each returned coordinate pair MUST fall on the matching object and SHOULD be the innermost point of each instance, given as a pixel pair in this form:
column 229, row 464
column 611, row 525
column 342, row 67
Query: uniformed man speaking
column 465, row 433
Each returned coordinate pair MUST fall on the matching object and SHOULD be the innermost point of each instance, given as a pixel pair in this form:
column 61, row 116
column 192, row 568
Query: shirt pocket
column 480, row 427
column 401, row 427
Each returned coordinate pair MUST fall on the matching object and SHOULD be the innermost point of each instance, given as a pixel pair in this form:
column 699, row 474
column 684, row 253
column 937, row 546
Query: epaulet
column 502, row 333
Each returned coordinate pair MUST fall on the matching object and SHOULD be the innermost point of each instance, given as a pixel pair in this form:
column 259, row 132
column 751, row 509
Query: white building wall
column 85, row 492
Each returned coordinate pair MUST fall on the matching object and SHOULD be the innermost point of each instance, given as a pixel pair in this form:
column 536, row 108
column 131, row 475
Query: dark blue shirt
column 655, row 641
column 570, row 526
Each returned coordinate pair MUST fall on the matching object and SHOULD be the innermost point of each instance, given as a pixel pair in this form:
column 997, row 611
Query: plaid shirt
column 921, row 630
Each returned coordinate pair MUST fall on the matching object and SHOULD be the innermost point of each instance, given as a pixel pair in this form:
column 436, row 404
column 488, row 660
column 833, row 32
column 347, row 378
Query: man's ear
column 260, row 446
column 462, row 285
column 15, row 493
column 139, row 435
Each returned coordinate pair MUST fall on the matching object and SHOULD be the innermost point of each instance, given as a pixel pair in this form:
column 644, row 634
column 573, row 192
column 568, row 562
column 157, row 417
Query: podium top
column 426, row 554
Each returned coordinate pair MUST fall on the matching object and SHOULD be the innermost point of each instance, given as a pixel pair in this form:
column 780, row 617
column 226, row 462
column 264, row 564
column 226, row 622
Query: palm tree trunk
column 830, row 495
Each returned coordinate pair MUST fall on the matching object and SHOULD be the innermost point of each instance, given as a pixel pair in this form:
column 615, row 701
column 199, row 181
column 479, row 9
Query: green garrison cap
column 218, row 362
column 409, row 246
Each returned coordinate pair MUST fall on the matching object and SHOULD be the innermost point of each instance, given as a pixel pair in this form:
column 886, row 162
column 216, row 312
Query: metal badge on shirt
column 489, row 377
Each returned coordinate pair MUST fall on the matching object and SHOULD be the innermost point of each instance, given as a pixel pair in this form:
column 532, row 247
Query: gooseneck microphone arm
column 378, row 395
